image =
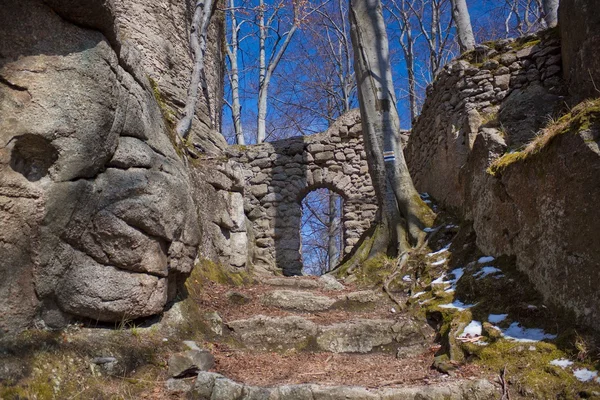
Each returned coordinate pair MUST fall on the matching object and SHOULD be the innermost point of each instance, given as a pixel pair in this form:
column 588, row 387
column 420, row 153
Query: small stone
column 190, row 363
column 238, row 297
column 330, row 283
column 178, row 386
column 214, row 321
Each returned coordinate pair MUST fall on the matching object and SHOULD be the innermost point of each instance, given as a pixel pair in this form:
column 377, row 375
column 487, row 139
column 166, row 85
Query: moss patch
column 580, row 118
column 168, row 117
column 207, row 270
column 524, row 43
column 507, row 292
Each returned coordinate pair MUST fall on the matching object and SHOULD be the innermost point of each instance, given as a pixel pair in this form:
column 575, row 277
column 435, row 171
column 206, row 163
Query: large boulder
column 98, row 219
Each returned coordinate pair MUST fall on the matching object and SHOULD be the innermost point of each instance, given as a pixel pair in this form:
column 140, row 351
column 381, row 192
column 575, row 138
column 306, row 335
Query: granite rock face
column 539, row 207
column 98, row 219
column 579, row 22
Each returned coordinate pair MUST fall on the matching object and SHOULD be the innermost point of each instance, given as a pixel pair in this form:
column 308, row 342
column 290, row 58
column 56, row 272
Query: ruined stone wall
column 281, row 173
column 537, row 205
column 512, row 86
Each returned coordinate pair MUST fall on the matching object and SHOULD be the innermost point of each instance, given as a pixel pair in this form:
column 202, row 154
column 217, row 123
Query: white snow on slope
column 561, row 362
column 486, row 259
column 474, row 329
column 458, row 305
column 517, row 333
column 585, row 375
column 485, row 271
column 440, row 251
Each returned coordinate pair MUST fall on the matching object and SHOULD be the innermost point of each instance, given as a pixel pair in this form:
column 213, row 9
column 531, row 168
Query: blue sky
column 488, row 22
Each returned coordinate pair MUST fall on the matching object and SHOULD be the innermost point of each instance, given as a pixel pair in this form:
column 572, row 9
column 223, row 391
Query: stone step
column 325, row 282
column 405, row 336
column 210, row 385
column 308, row 301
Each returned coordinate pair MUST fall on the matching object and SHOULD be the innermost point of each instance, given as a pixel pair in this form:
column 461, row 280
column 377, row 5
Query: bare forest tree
column 464, row 30
column 425, row 20
column 528, row 16
column 551, row 12
column 203, row 10
column 271, row 25
column 402, row 213
column 320, row 249
column 232, row 47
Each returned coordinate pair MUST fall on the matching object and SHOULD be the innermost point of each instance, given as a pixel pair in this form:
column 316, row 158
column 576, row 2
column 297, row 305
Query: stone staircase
column 308, row 338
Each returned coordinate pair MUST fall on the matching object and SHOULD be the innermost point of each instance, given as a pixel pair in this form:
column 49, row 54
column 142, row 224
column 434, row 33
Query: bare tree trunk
column 234, row 76
column 462, row 20
column 402, row 213
column 333, row 231
column 551, row 12
column 266, row 71
column 202, row 13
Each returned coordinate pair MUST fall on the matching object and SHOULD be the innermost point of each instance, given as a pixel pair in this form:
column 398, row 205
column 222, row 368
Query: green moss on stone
column 579, row 119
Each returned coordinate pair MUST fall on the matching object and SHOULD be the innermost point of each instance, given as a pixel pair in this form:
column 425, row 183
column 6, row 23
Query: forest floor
column 466, row 318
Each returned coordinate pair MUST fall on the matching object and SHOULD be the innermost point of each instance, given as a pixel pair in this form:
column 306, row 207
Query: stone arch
column 329, row 184
column 279, row 174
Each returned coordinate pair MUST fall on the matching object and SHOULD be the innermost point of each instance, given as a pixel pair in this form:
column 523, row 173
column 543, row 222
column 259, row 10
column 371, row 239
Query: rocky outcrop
column 98, row 218
column 515, row 86
column 281, row 173
column 535, row 201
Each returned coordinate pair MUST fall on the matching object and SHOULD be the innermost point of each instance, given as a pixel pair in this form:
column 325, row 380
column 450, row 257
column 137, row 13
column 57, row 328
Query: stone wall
column 539, row 205
column 514, row 86
column 281, row 173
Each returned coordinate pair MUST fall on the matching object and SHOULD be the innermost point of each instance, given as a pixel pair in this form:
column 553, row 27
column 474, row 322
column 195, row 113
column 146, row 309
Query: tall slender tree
column 203, row 10
column 232, row 47
column 464, row 30
column 402, row 213
column 551, row 12
column 267, row 67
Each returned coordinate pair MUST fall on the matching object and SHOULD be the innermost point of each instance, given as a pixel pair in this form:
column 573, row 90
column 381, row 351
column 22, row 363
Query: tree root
column 401, row 267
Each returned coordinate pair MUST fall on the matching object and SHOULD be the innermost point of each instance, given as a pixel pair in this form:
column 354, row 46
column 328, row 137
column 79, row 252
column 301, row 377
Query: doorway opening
column 321, row 231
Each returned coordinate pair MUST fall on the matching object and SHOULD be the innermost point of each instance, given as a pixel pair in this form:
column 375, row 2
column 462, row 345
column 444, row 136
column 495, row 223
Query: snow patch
column 414, row 296
column 485, row 259
column 473, row 329
column 485, row 271
column 458, row 305
column 406, row 278
column 585, row 375
column 440, row 262
column 424, row 195
column 457, row 273
column 495, row 318
column 517, row 333
column 561, row 362
column 428, row 230
column 440, row 251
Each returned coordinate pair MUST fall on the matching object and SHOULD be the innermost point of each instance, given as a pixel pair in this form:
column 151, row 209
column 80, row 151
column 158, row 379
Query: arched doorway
column 321, row 231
